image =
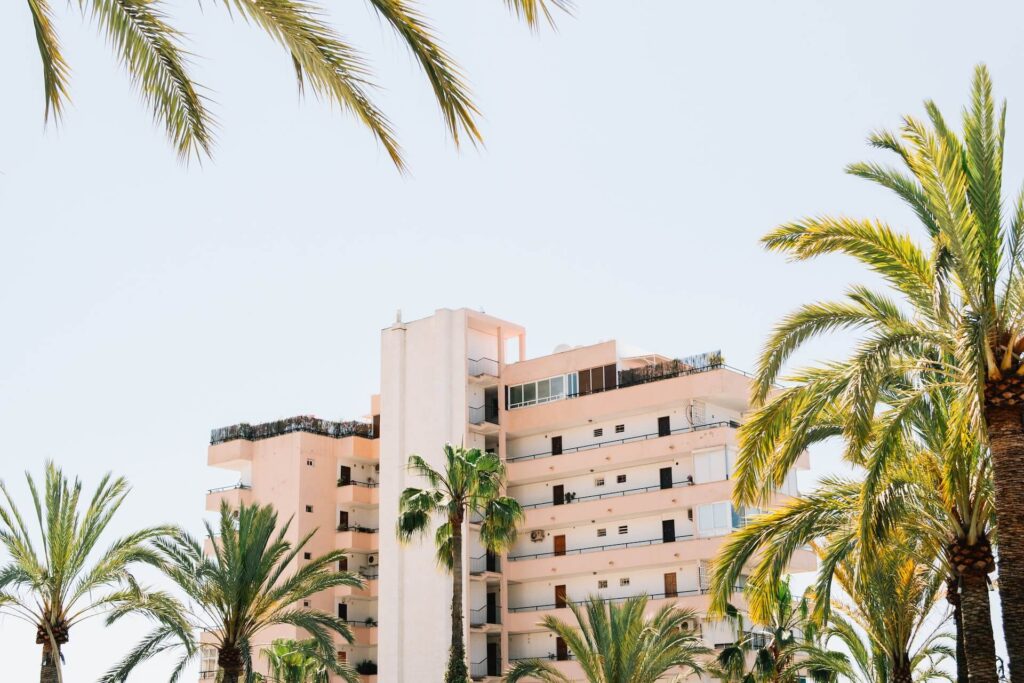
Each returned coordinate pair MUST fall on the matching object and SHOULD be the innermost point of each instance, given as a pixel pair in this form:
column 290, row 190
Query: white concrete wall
column 423, row 406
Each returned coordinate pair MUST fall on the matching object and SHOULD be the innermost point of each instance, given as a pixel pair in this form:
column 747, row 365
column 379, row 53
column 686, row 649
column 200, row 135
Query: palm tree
column 150, row 48
column 884, row 620
column 301, row 661
column 786, row 646
column 958, row 323
column 253, row 579
column 470, row 483
column 616, row 643
column 930, row 480
column 67, row 578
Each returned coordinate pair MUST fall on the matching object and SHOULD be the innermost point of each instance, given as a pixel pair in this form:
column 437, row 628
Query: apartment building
column 622, row 460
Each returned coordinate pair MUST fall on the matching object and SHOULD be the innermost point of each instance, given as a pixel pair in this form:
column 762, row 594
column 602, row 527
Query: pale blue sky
column 632, row 160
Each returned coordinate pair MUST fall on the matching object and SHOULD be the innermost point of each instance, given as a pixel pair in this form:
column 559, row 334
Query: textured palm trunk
column 229, row 659
column 457, row 669
column 48, row 668
column 901, row 671
column 1006, row 440
column 979, row 642
column 953, row 598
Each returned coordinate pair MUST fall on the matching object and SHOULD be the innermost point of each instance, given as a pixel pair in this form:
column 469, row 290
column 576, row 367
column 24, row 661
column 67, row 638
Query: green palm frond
column 150, row 50
column 55, row 69
column 533, row 12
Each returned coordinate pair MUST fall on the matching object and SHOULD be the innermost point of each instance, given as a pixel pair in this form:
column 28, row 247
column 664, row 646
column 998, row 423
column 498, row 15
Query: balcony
column 359, row 493
column 488, row 563
column 482, row 371
column 527, row 618
column 489, row 667
column 620, row 556
column 717, row 385
column 485, row 617
column 364, row 633
column 369, row 591
column 484, row 419
column 625, row 504
column 235, row 496
column 628, row 452
column 358, row 538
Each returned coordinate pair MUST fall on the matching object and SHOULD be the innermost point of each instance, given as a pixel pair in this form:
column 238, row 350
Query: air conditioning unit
column 537, row 535
column 371, row 559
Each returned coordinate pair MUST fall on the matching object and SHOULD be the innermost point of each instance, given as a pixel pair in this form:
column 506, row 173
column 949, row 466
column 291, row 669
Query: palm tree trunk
column 48, row 669
column 1006, row 440
column 457, row 670
column 953, row 598
column 979, row 642
column 901, row 671
column 229, row 659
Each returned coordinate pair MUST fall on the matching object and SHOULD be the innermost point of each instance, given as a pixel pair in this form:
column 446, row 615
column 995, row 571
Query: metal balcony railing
column 240, row 486
column 353, row 482
column 629, row 439
column 612, row 494
column 652, row 596
column 478, row 415
column 600, row 548
column 357, row 528
column 489, row 666
column 485, row 563
column 488, row 614
column 480, row 367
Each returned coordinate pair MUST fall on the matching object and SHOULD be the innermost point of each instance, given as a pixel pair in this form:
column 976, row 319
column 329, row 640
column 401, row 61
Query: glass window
column 573, row 380
column 557, row 387
column 543, row 390
column 530, row 392
column 515, row 395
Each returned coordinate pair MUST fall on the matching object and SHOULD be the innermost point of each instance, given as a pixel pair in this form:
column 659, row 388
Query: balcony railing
column 484, row 563
column 479, row 367
column 353, row 482
column 369, row 573
column 600, row 548
column 478, row 415
column 488, row 614
column 652, row 596
column 357, row 528
column 240, row 486
column 569, row 656
column 612, row 494
column 489, row 666
column 629, row 439
column 300, row 423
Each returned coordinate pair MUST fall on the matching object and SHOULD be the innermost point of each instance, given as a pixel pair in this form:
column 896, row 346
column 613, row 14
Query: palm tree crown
column 62, row 581
column 469, row 484
column 253, row 579
column 302, row 661
column 617, row 643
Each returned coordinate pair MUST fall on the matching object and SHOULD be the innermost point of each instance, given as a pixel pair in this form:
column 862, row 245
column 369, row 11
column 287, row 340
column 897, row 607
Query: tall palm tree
column 930, row 479
column 302, row 661
column 884, row 619
column 785, row 647
column 252, row 580
column 470, row 483
column 60, row 576
column 616, row 643
column 151, row 50
column 957, row 321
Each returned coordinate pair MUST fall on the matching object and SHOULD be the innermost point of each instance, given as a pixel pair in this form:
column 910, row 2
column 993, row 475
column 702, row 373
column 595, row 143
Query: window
column 620, row 479
column 599, row 432
column 307, row 556
column 624, row 581
column 624, row 529
column 714, row 519
column 209, row 660
column 601, row 533
column 603, row 583
column 305, row 603
column 309, row 508
column 711, row 465
column 309, row 462
column 599, row 481
column 620, row 428
column 540, row 391
column 342, row 656
column 593, row 380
